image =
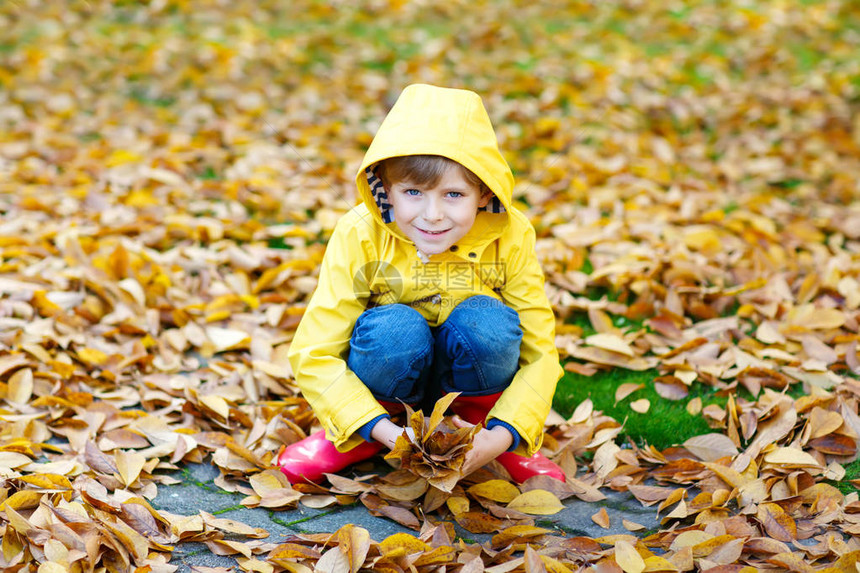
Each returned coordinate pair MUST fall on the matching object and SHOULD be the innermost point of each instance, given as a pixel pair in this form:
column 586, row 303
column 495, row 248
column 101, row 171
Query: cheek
column 403, row 211
column 466, row 215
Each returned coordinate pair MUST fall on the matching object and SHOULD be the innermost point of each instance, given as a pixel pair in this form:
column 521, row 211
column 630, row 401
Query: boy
column 431, row 285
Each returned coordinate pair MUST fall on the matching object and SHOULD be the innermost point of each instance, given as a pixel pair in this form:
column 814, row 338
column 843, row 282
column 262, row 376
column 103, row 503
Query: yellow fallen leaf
column 457, row 504
column 129, row 466
column 255, row 565
column 217, row 404
column 226, row 338
column 656, row 563
column 686, row 376
column 823, row 422
column 626, row 389
column 92, row 356
column 641, row 406
column 496, row 490
column 583, row 411
column 813, row 318
column 272, row 277
column 689, row 539
column 408, row 544
column 231, row 547
column 768, row 332
column 516, row 534
column 611, row 342
column 133, row 288
column 403, row 492
column 121, row 157
column 13, row 361
column 707, row 546
column 20, row 386
column 825, row 318
column 267, row 482
column 601, row 356
column 355, row 542
column 694, row 406
column 702, row 238
column 682, row 559
column 285, row 497
column 536, row 502
column 24, row 499
column 628, row 558
column 791, row 457
column 11, row 460
column 711, row 447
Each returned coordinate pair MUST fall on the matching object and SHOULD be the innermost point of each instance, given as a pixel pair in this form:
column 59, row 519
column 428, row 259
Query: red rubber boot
column 474, row 409
column 309, row 459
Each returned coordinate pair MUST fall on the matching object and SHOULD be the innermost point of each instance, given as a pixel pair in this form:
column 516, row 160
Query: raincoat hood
column 429, row 120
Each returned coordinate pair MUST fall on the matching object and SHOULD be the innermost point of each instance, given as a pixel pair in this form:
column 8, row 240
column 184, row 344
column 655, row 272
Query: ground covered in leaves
column 169, row 173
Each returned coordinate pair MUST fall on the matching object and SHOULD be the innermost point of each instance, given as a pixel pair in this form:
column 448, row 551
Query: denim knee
column 391, row 351
column 478, row 347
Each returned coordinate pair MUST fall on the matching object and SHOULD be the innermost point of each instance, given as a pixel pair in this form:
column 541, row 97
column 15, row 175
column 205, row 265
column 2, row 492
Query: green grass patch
column 229, row 509
column 852, row 471
column 279, row 243
column 667, row 422
column 142, row 97
column 292, row 524
column 208, row 174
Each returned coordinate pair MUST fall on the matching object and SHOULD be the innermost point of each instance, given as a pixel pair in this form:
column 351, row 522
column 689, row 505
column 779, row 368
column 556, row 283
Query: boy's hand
column 386, row 433
column 487, row 445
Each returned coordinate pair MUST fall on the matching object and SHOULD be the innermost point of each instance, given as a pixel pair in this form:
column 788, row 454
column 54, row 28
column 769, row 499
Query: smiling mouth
column 434, row 232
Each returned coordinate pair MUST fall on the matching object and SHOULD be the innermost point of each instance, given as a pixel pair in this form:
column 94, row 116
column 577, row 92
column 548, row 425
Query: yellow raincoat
column 369, row 262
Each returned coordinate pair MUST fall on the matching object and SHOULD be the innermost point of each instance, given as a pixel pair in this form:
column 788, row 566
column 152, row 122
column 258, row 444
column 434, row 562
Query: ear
column 486, row 195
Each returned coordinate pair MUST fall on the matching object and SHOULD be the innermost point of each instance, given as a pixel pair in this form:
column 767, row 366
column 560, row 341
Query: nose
column 433, row 210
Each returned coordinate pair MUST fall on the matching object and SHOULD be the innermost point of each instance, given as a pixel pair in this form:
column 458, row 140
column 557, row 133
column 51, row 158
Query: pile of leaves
column 169, row 173
column 437, row 449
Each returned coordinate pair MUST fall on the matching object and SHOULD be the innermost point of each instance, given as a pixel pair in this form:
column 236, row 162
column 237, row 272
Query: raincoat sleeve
column 319, row 350
column 526, row 403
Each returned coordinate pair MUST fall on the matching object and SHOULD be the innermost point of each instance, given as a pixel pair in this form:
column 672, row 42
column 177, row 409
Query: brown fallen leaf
column 671, row 388
column 776, row 522
column 601, row 518
column 823, row 422
column 517, row 534
column 711, row 447
column 478, row 522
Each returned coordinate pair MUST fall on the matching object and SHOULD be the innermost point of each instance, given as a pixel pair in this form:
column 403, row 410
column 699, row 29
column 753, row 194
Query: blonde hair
column 422, row 170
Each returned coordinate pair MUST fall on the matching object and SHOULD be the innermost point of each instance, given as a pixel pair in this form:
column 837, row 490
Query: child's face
column 436, row 217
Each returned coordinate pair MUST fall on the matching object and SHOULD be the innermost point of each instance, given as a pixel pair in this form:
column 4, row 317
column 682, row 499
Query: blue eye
column 412, row 192
column 455, row 194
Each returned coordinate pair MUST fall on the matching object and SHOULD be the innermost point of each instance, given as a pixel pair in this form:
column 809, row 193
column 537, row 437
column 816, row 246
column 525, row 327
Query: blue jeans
column 400, row 358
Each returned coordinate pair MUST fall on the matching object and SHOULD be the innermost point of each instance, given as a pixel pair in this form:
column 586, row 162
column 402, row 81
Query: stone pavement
column 199, row 492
